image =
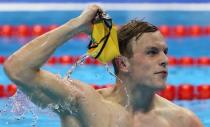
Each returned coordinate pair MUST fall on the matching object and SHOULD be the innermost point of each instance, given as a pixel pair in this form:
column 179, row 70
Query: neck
column 142, row 99
column 139, row 99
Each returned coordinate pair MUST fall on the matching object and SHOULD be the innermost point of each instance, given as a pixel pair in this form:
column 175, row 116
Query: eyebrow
column 156, row 48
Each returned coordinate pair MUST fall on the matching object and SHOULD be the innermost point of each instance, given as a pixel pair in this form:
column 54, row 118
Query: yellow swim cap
column 104, row 43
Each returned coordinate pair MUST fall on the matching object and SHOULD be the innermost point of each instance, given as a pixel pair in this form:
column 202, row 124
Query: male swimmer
column 132, row 102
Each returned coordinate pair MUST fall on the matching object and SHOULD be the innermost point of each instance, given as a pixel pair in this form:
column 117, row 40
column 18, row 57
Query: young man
column 132, row 102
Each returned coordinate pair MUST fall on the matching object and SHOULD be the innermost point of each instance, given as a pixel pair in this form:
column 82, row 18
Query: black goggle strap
column 94, row 44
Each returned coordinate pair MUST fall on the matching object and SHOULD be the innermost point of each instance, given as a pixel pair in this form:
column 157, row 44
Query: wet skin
column 143, row 74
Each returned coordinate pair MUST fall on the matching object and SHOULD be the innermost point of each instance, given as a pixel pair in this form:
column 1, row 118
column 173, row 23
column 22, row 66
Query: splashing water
column 128, row 98
column 15, row 108
column 19, row 107
column 125, row 89
column 19, row 102
column 79, row 62
column 108, row 69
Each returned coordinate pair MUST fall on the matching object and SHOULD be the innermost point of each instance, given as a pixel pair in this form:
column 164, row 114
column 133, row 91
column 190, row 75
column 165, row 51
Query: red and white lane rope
column 173, row 61
column 177, row 31
column 171, row 92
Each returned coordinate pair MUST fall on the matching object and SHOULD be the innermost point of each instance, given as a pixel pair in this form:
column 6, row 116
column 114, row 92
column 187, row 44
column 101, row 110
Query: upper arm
column 45, row 88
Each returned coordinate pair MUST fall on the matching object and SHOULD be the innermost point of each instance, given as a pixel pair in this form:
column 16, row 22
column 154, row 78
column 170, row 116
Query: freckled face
column 148, row 65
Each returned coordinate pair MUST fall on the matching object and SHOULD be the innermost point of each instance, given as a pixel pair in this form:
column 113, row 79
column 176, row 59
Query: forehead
column 151, row 39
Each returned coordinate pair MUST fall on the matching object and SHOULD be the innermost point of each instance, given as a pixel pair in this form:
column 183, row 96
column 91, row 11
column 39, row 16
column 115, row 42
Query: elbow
column 11, row 69
column 18, row 72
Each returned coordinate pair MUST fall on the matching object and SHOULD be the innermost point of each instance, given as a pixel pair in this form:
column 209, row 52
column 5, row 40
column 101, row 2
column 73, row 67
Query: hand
column 87, row 16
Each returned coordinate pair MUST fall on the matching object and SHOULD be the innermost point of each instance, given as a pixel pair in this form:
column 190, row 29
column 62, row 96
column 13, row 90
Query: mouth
column 164, row 74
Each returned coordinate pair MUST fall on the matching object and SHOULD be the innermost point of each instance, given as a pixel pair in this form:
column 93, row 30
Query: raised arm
column 23, row 67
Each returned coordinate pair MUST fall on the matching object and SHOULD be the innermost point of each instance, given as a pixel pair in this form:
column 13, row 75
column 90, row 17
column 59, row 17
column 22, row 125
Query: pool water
column 19, row 111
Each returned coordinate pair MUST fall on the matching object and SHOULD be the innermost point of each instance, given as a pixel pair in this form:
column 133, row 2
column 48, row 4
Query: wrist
column 85, row 25
column 75, row 25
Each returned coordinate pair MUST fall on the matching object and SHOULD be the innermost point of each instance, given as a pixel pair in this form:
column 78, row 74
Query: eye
column 152, row 52
column 166, row 51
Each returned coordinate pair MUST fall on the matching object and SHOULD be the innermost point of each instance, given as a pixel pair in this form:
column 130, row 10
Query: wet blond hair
column 134, row 28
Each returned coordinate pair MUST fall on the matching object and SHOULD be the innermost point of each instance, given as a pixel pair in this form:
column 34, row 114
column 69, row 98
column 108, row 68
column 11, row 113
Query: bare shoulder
column 105, row 92
column 191, row 119
column 177, row 113
column 164, row 103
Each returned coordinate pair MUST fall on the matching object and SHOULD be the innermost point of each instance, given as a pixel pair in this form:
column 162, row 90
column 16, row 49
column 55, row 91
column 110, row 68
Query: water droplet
column 56, row 107
column 124, row 85
column 79, row 62
column 108, row 69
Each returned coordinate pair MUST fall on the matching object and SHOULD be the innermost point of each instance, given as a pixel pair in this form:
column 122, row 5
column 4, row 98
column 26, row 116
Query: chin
column 163, row 86
column 159, row 86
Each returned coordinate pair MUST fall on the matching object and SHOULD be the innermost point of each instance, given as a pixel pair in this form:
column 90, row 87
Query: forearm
column 35, row 53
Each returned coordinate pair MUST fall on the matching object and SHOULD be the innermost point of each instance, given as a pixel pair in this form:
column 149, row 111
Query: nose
column 164, row 64
column 164, row 60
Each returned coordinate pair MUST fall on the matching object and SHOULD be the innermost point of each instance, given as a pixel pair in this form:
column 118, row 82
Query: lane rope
column 171, row 92
column 177, row 31
column 184, row 61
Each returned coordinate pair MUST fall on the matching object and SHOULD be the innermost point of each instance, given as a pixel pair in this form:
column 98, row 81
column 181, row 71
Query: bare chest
column 121, row 119
column 151, row 120
column 118, row 118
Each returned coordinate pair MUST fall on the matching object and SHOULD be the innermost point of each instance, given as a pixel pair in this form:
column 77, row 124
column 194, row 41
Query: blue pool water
column 19, row 111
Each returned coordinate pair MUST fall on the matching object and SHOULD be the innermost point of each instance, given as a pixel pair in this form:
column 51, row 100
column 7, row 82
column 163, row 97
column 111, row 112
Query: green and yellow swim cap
column 104, row 43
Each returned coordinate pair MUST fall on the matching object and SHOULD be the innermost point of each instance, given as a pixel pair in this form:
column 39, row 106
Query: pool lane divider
column 24, row 31
column 176, row 31
column 171, row 92
column 173, row 61
column 7, row 90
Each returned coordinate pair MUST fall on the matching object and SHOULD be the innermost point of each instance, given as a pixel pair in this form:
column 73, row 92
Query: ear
column 122, row 64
